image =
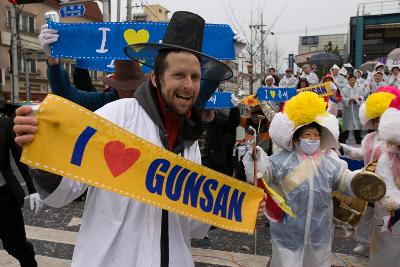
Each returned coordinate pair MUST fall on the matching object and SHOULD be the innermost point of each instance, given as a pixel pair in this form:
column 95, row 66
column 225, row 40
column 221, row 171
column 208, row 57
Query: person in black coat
column 213, row 141
column 12, row 230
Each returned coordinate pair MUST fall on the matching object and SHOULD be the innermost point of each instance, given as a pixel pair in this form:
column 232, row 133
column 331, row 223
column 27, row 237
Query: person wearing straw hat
column 118, row 231
column 385, row 243
column 372, row 146
column 305, row 172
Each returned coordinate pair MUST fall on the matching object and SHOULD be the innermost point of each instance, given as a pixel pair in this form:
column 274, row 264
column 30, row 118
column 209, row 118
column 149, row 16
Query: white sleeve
column 343, row 176
column 345, row 97
column 353, row 152
column 66, row 192
column 313, row 79
column 384, row 169
column 262, row 165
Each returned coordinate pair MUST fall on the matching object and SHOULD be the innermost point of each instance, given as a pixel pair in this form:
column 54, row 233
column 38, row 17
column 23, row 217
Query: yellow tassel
column 304, row 108
column 377, row 103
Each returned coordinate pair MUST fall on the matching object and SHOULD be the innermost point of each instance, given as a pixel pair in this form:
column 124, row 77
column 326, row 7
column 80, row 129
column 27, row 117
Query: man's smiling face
column 180, row 82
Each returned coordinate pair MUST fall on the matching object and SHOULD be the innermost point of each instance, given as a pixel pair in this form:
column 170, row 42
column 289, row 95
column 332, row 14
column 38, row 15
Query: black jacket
column 217, row 139
column 7, row 144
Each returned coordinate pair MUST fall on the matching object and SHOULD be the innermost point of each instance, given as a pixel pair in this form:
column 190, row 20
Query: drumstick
column 255, row 177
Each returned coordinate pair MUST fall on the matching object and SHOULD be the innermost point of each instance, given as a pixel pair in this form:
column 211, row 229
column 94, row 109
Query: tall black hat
column 184, row 32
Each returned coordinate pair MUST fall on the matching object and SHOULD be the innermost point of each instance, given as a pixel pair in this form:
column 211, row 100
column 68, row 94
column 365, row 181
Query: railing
column 378, row 8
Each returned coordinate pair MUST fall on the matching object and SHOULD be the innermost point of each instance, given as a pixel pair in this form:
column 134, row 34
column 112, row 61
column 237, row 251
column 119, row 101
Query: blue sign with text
column 107, row 40
column 275, row 94
column 77, row 10
column 219, row 100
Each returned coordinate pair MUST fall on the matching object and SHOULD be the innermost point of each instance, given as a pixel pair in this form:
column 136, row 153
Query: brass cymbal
column 368, row 186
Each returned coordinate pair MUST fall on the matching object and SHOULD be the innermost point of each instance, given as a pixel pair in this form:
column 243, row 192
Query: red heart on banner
column 118, row 158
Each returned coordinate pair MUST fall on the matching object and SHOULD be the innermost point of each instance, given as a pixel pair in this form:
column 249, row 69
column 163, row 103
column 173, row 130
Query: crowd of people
column 295, row 147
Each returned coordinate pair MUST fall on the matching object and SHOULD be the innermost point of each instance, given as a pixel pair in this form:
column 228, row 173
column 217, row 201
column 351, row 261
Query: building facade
column 151, row 13
column 374, row 32
column 321, row 43
column 29, row 23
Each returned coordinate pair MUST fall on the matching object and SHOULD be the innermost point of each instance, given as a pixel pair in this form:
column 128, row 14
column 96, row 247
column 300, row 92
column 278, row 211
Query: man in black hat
column 118, row 231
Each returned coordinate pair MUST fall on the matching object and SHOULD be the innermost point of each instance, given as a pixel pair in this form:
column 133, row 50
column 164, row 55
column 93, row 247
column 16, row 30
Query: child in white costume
column 305, row 173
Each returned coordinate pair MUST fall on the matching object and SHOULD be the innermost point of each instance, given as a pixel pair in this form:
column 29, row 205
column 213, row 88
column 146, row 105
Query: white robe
column 371, row 149
column 306, row 183
column 385, row 246
column 288, row 82
column 312, row 78
column 118, row 231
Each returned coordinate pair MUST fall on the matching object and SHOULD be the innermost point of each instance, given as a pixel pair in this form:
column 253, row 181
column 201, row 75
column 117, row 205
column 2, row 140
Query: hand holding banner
column 82, row 146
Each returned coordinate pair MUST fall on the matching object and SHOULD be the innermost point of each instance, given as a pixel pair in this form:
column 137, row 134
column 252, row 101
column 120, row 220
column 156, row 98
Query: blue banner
column 219, row 100
column 275, row 94
column 107, row 40
column 106, row 65
column 353, row 164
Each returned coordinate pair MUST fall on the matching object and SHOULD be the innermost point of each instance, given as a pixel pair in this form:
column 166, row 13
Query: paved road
column 54, row 231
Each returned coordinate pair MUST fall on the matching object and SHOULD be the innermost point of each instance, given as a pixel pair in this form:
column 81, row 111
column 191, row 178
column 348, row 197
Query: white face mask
column 309, row 147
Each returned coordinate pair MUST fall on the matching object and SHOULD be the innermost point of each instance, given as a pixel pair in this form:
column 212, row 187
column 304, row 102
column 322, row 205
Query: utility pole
column 106, row 11
column 262, row 48
column 118, row 10
column 129, row 10
column 27, row 85
column 14, row 56
column 262, row 61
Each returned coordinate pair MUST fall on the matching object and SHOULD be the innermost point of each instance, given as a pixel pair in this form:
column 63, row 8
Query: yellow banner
column 250, row 101
column 322, row 89
column 82, row 146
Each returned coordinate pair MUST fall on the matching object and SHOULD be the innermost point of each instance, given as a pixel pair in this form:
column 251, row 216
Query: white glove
column 235, row 101
column 46, row 37
column 333, row 86
column 239, row 42
column 390, row 204
column 248, row 163
column 36, row 203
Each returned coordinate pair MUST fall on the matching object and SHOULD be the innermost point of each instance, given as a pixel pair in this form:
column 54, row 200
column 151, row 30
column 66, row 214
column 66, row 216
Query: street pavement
column 53, row 233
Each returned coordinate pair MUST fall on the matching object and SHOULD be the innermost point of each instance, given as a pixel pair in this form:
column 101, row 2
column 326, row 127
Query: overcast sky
column 288, row 18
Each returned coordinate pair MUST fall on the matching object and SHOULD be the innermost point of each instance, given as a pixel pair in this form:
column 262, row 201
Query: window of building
column 312, row 49
column 32, row 66
column 26, row 22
